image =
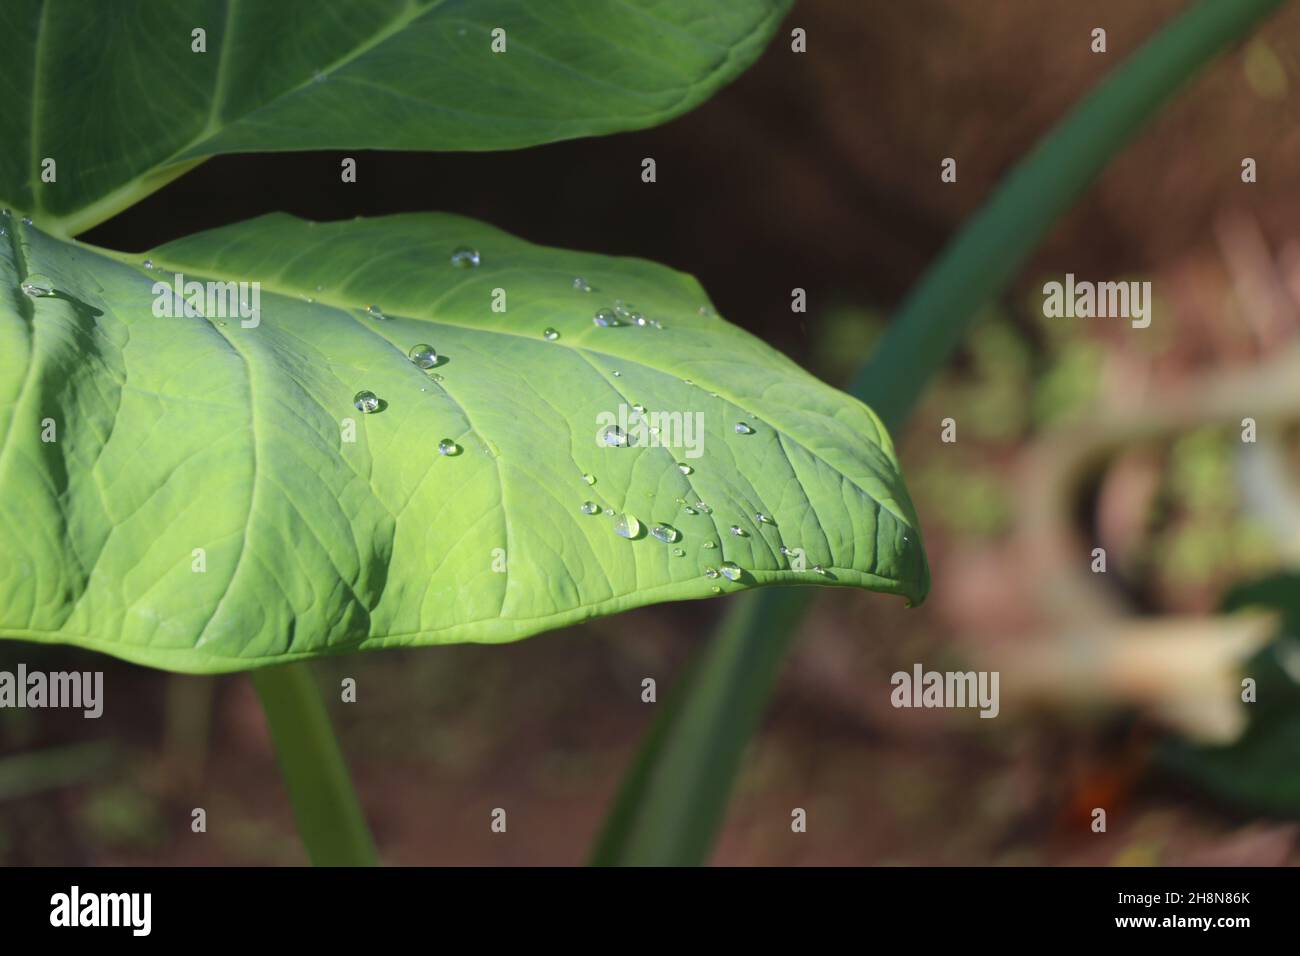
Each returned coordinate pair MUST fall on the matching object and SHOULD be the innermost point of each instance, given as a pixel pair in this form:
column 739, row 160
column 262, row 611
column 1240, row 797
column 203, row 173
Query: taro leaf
column 114, row 93
column 174, row 434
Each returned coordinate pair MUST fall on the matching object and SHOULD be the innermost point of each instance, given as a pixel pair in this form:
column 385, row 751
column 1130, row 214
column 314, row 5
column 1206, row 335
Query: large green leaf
column 113, row 92
column 176, row 434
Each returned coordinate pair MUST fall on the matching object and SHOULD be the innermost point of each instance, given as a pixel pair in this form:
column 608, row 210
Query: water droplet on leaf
column 550, row 335
column 463, row 257
column 366, row 402
column 626, row 526
column 665, row 533
column 423, row 355
column 743, row 429
column 730, row 570
column 613, row 436
column 590, row 507
column 37, row 285
column 448, row 447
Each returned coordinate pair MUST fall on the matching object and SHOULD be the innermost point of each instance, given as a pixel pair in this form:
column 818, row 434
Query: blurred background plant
column 1119, row 690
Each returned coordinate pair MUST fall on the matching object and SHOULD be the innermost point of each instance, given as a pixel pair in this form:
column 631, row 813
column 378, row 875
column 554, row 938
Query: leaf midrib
column 289, row 292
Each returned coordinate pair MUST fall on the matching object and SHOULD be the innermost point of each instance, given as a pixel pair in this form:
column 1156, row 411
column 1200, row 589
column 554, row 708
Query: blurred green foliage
column 1260, row 772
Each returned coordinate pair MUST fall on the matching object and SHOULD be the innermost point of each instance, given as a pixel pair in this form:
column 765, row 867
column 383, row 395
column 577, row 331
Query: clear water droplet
column 606, row 319
column 762, row 518
column 627, row 526
column 687, row 382
column 366, row 402
column 639, row 408
column 665, row 533
column 609, row 512
column 148, row 263
column 715, row 589
column 818, row 569
column 678, row 553
column 739, row 532
column 436, row 376
column 613, row 437
column 730, row 570
column 589, row 479
column 590, row 508
column 689, row 510
column 617, row 374
column 786, row 551
column 37, row 285
column 423, row 355
column 709, row 545
column 684, row 468
column 27, row 220
column 636, row 318
column 463, row 257
column 703, row 508
column 550, row 335
column 580, row 284
column 710, row 573
column 743, row 429
column 448, row 447
column 375, row 312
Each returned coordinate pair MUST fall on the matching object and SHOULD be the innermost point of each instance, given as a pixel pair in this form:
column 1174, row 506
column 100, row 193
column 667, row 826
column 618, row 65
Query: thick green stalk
column 655, row 820
column 675, row 796
column 329, row 815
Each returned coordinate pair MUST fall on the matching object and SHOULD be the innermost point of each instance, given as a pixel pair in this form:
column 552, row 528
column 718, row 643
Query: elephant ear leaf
column 106, row 102
column 283, row 439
